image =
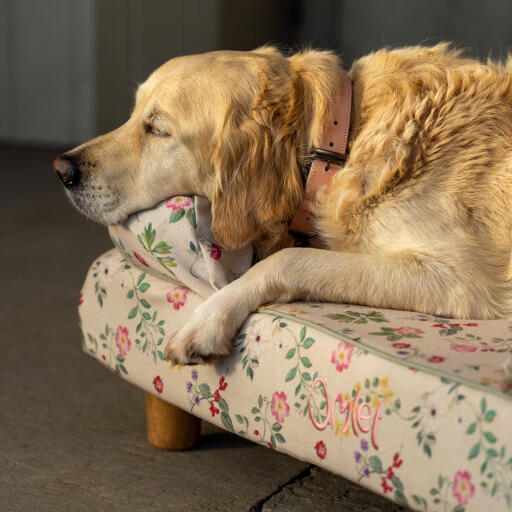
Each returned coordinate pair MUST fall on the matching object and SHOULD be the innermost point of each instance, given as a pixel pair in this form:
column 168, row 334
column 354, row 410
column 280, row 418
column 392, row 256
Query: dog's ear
column 257, row 180
column 258, row 185
column 315, row 76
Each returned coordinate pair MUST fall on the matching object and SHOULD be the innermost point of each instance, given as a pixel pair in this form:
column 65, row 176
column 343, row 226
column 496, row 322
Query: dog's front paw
column 203, row 339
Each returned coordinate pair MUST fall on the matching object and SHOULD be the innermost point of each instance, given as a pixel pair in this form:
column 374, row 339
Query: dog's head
column 230, row 126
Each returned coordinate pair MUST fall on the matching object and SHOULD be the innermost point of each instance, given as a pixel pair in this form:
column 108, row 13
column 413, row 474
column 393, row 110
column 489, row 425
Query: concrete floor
column 72, row 434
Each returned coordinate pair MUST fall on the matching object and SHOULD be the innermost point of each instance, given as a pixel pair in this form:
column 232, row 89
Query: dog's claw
column 187, row 353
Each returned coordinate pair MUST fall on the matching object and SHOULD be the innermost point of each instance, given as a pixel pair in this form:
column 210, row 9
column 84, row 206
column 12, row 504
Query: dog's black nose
column 67, row 171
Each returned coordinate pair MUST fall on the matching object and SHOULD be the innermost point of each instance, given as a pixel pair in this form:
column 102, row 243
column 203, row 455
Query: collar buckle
column 325, row 155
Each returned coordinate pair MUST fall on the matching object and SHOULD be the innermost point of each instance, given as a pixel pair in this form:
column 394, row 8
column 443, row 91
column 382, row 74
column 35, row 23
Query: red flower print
column 158, row 383
column 256, row 432
column 217, row 396
column 390, row 474
column 222, row 384
column 80, row 299
column 440, row 325
column 397, row 461
column 213, row 409
column 471, row 325
column 385, row 487
column 321, row 449
column 401, row 345
column 436, row 359
column 140, row 258
column 215, row 252
column 103, row 357
column 270, row 445
column 454, row 325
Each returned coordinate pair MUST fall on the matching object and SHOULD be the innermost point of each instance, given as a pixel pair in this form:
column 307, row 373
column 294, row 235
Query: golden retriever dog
column 419, row 218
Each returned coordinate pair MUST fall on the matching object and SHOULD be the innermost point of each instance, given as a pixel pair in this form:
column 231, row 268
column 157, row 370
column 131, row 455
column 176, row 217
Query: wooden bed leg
column 170, row 427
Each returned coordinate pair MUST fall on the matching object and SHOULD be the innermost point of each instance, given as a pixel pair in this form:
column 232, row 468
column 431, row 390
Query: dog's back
column 430, row 165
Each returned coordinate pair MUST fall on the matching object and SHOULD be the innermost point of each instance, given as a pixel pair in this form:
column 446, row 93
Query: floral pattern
column 178, row 203
column 279, row 407
column 215, row 252
column 177, row 296
column 341, row 356
column 158, row 384
column 462, row 487
column 405, row 394
column 321, row 450
column 175, row 241
column 123, row 343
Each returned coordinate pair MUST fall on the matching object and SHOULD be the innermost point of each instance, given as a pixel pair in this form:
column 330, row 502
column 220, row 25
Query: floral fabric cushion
column 174, row 241
column 412, row 406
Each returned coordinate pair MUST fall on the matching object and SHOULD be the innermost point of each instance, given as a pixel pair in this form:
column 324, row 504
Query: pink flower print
column 123, row 343
column 321, row 449
column 215, row 252
column 178, row 296
column 178, row 202
column 462, row 487
column 279, row 408
column 140, row 258
column 158, row 383
column 464, row 348
column 341, row 356
column 408, row 330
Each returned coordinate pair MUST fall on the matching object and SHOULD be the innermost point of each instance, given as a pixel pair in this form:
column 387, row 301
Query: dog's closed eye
column 154, row 125
column 155, row 129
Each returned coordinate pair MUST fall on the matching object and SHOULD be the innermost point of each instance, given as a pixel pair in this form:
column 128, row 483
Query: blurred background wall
column 69, row 68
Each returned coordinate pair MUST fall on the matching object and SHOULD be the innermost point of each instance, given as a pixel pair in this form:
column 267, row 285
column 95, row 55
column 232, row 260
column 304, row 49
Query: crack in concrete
column 258, row 506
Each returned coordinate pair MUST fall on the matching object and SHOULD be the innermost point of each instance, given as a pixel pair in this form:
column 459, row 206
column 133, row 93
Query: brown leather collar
column 328, row 159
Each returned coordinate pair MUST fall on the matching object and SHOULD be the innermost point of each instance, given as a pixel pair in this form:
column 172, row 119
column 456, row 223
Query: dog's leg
column 401, row 280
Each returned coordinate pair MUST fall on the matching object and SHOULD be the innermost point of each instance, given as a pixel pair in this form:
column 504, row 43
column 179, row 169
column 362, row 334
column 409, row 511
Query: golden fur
column 420, row 217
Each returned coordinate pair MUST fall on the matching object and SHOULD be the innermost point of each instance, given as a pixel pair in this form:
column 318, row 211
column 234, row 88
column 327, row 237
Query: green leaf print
column 161, row 251
column 149, row 326
column 176, row 215
column 358, row 318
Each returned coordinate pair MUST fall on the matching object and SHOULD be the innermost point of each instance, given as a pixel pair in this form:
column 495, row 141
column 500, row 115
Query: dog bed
column 412, row 406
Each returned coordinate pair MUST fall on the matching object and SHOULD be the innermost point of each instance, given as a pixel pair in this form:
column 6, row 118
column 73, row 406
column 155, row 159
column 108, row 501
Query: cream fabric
column 174, row 242
column 411, row 406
